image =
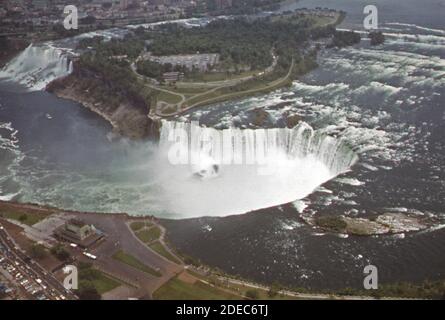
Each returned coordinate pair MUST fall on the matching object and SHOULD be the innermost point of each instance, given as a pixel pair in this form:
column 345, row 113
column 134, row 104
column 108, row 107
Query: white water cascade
column 37, row 66
column 234, row 171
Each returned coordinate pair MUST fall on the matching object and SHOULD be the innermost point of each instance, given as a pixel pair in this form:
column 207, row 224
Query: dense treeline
column 238, row 41
column 244, row 6
column 156, row 70
column 118, row 77
column 130, row 46
column 376, row 37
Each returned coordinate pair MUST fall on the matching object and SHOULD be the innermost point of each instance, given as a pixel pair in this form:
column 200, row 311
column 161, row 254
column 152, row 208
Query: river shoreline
column 126, row 119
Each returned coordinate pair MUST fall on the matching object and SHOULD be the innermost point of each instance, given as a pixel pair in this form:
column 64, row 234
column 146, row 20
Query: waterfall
column 213, row 172
column 37, row 66
column 252, row 146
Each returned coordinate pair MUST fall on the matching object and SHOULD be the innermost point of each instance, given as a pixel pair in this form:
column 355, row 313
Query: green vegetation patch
column 103, row 283
column 37, row 251
column 60, row 252
column 93, row 283
column 168, row 97
column 22, row 216
column 176, row 289
column 332, row 223
column 159, row 248
column 149, row 235
column 187, row 90
column 135, row 263
column 137, row 225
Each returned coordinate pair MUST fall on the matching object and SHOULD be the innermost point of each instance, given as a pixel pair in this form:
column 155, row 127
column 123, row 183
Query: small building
column 172, row 76
column 78, row 232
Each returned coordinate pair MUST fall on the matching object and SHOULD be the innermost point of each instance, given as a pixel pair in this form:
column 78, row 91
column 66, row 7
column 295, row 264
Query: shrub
column 37, row 251
column 252, row 294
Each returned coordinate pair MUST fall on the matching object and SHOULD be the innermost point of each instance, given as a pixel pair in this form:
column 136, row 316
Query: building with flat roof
column 173, row 76
column 78, row 232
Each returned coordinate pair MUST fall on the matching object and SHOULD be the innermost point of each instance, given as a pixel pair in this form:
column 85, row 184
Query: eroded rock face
column 128, row 117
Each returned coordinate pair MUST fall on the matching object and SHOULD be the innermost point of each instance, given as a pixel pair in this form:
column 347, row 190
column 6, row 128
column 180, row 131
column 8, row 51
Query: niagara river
column 371, row 140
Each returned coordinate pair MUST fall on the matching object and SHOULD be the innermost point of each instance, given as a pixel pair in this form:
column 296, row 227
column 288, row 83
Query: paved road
column 120, row 237
column 214, row 85
column 225, row 96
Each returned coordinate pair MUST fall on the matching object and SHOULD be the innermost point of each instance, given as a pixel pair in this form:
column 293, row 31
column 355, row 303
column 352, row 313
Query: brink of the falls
column 37, row 66
column 249, row 168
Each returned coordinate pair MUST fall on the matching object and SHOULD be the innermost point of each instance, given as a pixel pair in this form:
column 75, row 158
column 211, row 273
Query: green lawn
column 159, row 248
column 220, row 76
column 135, row 263
column 169, row 109
column 23, row 217
column 149, row 235
column 168, row 97
column 103, row 283
column 176, row 289
column 188, row 90
column 137, row 225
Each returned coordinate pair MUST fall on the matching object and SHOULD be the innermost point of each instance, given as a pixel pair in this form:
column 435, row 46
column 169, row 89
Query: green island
column 168, row 69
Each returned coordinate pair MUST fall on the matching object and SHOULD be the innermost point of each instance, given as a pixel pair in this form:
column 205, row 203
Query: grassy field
column 176, row 289
column 168, row 97
column 27, row 217
column 249, row 88
column 170, row 109
column 159, row 248
column 187, row 91
column 103, row 283
column 137, row 225
column 221, row 76
column 149, row 235
column 135, row 263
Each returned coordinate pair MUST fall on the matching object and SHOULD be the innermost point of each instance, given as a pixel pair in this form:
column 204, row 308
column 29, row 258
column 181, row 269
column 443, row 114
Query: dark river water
column 387, row 102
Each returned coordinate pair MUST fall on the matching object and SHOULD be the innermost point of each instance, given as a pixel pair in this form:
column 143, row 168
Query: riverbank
column 197, row 281
column 128, row 117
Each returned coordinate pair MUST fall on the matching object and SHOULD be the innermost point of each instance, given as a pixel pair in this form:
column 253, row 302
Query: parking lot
column 31, row 280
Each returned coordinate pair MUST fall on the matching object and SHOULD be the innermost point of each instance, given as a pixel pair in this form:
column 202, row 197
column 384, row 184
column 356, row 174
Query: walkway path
column 214, row 85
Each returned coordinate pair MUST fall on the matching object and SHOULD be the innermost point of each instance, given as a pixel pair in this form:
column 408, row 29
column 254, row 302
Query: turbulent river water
column 372, row 141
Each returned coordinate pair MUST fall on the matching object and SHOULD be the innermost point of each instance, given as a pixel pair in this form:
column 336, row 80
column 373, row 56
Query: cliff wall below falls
column 126, row 112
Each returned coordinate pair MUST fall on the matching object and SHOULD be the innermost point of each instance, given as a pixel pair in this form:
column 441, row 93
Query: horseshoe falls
column 233, row 171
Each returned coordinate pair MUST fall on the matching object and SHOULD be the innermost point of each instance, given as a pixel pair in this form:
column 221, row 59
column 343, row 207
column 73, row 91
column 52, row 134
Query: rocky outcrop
column 387, row 223
column 9, row 48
